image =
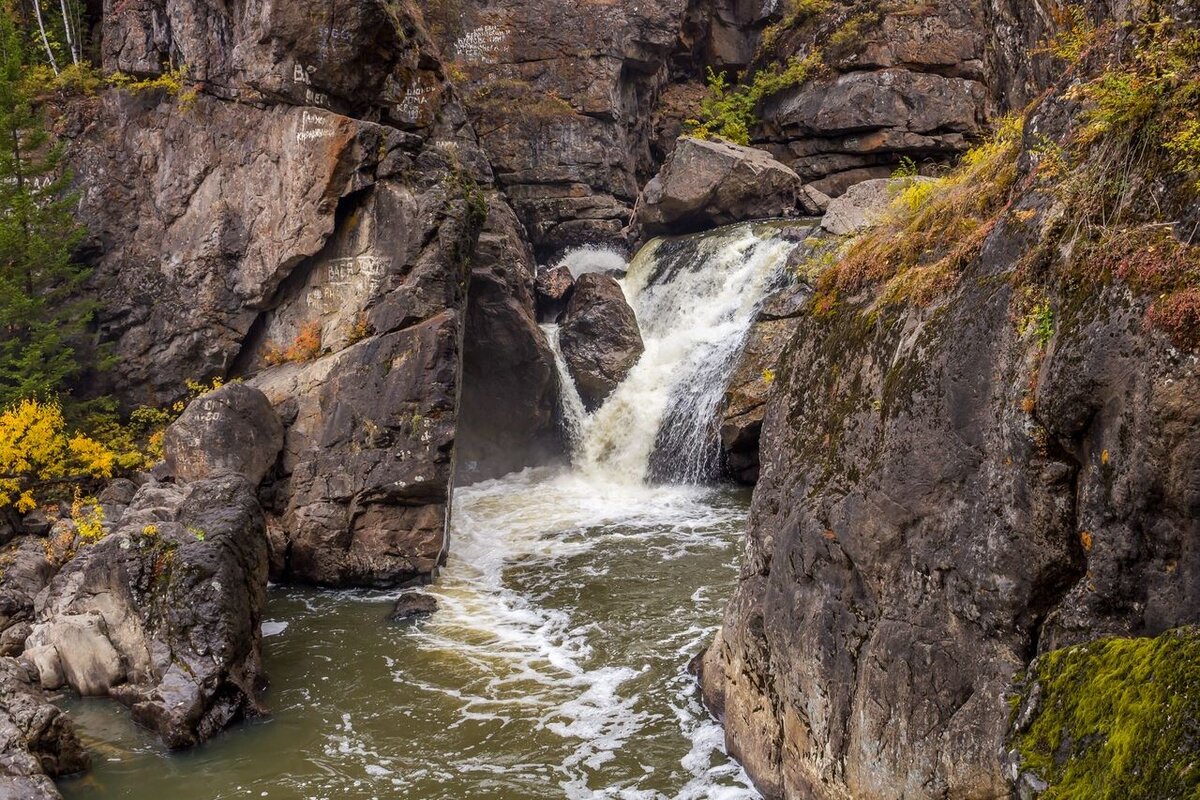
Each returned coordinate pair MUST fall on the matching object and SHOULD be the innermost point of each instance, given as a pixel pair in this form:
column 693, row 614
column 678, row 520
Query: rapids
column 571, row 604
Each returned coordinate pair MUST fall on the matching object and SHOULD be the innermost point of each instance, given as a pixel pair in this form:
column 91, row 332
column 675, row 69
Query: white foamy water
column 695, row 304
column 592, row 258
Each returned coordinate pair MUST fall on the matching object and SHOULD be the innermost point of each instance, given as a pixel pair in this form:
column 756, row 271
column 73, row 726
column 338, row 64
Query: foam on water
column 592, row 258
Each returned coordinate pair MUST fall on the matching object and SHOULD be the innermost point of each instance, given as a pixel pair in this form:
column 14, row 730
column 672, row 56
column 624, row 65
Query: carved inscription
column 482, row 45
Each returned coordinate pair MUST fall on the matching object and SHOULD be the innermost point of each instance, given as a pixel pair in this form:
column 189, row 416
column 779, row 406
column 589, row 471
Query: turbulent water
column 571, row 605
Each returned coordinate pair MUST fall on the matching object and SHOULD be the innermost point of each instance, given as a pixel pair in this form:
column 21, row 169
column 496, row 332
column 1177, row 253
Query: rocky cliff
column 966, row 466
column 299, row 201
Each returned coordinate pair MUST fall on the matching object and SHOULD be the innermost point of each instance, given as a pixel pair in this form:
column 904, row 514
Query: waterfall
column 695, row 299
column 572, row 410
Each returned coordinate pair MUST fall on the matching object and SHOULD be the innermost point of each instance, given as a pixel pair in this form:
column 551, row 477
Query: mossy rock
column 1113, row 719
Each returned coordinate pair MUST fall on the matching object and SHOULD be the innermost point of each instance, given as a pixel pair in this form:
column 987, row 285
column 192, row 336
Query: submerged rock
column 410, row 605
column 704, row 184
column 37, row 740
column 164, row 613
column 600, row 339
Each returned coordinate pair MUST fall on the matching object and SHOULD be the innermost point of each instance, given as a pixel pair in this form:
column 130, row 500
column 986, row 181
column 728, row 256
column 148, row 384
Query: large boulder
column 37, row 740
column 706, row 183
column 230, row 431
column 599, row 338
column 164, row 612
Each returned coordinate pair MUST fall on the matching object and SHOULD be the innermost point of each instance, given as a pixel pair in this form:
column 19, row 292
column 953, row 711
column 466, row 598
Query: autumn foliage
column 38, row 452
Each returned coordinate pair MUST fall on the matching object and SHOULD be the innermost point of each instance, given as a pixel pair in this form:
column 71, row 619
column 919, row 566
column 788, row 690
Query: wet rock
column 753, row 379
column 704, row 184
column 411, row 605
column 508, row 408
column 553, row 287
column 37, row 740
column 600, row 339
column 164, row 613
column 230, row 431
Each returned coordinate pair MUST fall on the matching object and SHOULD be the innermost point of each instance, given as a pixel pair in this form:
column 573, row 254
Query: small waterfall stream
column 572, row 602
column 695, row 299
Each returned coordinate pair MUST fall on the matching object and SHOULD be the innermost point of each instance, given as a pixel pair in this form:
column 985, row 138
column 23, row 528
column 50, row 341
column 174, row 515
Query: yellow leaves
column 36, row 451
column 94, row 458
column 88, row 517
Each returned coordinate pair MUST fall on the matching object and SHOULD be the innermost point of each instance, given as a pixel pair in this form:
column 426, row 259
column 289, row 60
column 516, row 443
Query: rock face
column 233, row 430
column 599, row 338
column 37, row 741
column 507, row 417
column 164, row 612
column 942, row 499
column 912, row 82
column 704, row 184
column 585, row 78
column 316, row 235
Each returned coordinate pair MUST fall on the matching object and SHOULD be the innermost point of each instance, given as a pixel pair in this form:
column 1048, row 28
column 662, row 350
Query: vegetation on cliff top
column 1117, row 183
column 1117, row 719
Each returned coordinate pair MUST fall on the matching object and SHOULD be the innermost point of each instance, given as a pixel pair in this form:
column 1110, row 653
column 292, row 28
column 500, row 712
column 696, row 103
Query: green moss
column 1118, row 719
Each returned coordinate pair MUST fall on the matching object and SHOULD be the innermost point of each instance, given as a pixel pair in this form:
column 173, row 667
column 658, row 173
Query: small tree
column 40, row 312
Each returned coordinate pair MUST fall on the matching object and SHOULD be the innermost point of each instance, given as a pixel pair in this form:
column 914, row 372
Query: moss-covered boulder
column 1113, row 719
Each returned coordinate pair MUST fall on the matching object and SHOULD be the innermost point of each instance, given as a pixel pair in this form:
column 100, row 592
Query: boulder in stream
column 704, row 184
column 413, row 604
column 600, row 339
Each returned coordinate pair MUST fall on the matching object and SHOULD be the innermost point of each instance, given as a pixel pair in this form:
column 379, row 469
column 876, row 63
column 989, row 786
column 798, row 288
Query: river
column 573, row 600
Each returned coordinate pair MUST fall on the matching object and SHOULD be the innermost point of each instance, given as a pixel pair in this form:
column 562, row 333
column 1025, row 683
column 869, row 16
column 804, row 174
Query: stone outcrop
column 164, row 612
column 912, row 82
column 37, row 740
column 316, row 235
column 704, row 184
column 599, row 337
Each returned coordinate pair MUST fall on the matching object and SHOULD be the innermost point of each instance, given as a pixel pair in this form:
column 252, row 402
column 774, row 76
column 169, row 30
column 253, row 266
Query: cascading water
column 571, row 603
column 695, row 300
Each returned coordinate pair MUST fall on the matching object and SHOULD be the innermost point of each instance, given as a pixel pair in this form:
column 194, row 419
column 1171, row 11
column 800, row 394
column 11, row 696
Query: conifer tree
column 40, row 313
